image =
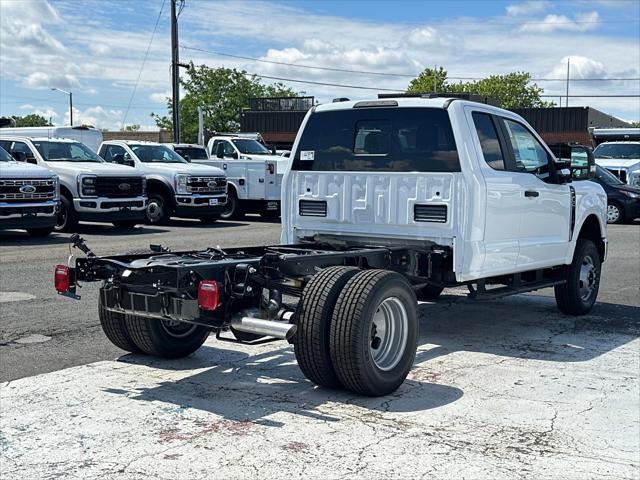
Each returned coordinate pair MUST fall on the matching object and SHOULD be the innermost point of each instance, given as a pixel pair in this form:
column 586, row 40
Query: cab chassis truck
column 343, row 286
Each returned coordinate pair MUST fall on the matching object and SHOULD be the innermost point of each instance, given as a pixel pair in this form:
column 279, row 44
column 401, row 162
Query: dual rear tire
column 161, row 338
column 357, row 330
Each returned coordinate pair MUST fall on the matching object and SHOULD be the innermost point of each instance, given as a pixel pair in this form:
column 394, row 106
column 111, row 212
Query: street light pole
column 175, row 74
column 70, row 103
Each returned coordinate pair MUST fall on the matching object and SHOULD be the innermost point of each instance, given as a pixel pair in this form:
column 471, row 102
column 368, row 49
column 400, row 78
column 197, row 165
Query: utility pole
column 175, row 73
column 200, row 127
column 566, row 103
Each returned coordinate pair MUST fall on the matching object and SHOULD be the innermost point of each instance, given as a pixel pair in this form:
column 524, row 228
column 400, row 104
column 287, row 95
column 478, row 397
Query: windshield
column 4, row 156
column 617, row 150
column 194, row 153
column 378, row 140
column 605, row 176
column 53, row 151
column 249, row 146
column 156, row 154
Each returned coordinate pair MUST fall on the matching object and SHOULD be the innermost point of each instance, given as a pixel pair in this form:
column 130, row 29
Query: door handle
column 531, row 193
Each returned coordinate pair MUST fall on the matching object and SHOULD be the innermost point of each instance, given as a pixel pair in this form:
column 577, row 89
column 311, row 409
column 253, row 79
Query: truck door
column 234, row 169
column 544, row 206
column 502, row 218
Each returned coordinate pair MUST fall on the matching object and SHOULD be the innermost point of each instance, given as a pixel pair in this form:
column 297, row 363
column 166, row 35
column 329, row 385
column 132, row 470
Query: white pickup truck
column 175, row 187
column 386, row 202
column 253, row 171
column 29, row 197
column 90, row 189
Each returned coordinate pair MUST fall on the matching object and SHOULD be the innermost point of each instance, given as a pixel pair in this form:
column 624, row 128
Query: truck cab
column 90, row 189
column 621, row 158
column 175, row 186
column 254, row 173
column 29, row 196
column 471, row 178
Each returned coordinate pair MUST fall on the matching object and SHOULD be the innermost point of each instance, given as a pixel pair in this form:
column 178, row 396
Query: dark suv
column 623, row 201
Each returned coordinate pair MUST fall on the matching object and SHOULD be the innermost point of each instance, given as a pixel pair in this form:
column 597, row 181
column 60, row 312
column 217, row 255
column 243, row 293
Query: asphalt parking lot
column 503, row 389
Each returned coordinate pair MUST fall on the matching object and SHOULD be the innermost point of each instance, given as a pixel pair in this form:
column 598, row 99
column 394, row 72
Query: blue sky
column 95, row 48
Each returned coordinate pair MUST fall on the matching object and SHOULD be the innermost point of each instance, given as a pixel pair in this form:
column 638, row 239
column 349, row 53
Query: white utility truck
column 253, row 171
column 618, row 151
column 175, row 187
column 29, row 197
column 90, row 189
column 386, row 202
column 89, row 136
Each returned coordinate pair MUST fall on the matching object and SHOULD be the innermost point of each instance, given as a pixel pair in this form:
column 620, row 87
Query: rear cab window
column 397, row 139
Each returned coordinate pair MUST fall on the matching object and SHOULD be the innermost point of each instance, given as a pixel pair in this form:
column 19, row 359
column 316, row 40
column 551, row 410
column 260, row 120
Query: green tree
column 31, row 120
column 513, row 90
column 134, row 127
column 222, row 93
column 635, row 124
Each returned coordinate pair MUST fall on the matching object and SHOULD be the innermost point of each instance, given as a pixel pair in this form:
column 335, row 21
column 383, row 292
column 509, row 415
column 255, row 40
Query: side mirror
column 220, row 150
column 187, row 158
column 234, row 155
column 19, row 156
column 273, row 149
column 118, row 158
column 583, row 163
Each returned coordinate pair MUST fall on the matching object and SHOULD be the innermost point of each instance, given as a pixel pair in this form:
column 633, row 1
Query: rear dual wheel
column 161, row 338
column 357, row 330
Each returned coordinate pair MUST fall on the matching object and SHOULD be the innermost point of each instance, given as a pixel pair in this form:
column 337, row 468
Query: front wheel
column 67, row 216
column 232, row 208
column 614, row 213
column 374, row 332
column 157, row 210
column 579, row 293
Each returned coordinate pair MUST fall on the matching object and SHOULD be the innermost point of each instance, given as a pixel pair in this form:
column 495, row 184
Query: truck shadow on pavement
column 242, row 387
column 194, row 223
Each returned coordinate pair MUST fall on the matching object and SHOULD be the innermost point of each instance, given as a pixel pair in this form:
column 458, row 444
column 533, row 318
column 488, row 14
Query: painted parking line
column 6, row 297
column 498, row 398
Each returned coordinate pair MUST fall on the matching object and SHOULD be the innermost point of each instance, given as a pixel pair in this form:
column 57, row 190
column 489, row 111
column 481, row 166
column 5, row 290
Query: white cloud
column 97, row 116
column 46, row 112
column 160, row 97
column 527, row 8
column 581, row 23
column 580, row 68
column 40, row 80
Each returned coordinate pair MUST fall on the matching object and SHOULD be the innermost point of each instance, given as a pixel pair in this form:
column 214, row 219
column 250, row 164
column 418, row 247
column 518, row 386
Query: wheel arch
column 591, row 229
column 161, row 186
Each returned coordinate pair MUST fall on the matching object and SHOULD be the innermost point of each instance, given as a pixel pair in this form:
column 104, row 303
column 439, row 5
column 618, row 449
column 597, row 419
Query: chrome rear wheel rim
column 389, row 333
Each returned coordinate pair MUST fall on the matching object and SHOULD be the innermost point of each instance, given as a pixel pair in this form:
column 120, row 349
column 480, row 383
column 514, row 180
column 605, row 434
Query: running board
column 481, row 293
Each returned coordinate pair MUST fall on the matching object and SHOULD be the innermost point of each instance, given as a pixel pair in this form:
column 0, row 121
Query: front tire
column 232, row 208
column 314, row 315
column 158, row 210
column 67, row 216
column 615, row 213
column 166, row 339
column 578, row 295
column 374, row 332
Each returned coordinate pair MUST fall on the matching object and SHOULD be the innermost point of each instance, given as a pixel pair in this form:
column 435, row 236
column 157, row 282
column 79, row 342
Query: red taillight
column 271, row 167
column 208, row 295
column 62, row 278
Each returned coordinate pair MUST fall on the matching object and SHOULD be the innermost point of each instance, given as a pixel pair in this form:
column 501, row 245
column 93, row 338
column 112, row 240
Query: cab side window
column 228, row 149
column 110, row 151
column 489, row 141
column 23, row 148
column 529, row 155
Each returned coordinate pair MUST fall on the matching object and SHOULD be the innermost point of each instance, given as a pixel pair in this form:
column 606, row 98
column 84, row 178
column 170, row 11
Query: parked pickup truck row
column 130, row 183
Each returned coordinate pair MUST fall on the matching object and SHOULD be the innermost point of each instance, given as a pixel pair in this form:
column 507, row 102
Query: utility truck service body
column 385, row 202
column 254, row 173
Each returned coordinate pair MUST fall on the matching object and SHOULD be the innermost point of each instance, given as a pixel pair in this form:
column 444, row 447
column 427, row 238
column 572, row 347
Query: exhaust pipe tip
column 266, row 328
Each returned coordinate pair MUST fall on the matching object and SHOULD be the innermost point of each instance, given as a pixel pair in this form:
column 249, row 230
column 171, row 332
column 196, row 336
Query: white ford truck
column 386, row 202
column 253, row 171
column 29, row 197
column 175, row 186
column 90, row 189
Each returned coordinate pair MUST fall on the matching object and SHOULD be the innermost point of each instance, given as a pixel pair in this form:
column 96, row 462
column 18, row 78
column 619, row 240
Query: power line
column 383, row 74
column 144, row 60
column 325, row 84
